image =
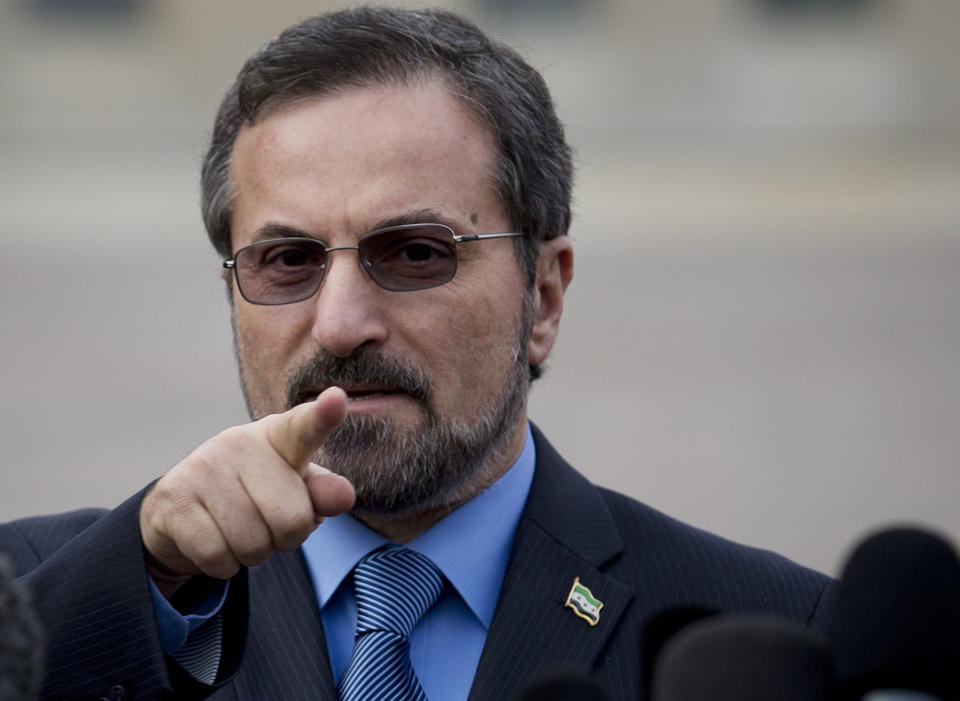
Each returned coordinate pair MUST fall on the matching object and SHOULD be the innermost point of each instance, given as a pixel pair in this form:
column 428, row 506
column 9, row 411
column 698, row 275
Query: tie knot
column 394, row 587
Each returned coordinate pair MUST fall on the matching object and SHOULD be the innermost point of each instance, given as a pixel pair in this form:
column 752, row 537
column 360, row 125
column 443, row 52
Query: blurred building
column 762, row 333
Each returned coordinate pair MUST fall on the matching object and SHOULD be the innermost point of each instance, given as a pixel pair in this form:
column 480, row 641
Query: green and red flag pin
column 583, row 603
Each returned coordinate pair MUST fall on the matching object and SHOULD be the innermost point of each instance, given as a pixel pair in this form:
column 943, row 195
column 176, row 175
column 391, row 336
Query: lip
column 360, row 394
column 377, row 400
column 365, row 394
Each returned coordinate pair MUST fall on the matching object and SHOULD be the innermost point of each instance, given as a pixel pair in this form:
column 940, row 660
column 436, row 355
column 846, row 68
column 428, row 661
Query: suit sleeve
column 89, row 585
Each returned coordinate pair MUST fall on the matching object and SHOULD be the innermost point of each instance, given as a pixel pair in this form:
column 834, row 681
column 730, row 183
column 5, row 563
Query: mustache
column 368, row 366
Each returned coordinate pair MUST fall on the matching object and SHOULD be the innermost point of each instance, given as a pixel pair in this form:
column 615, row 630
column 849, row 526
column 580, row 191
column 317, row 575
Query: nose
column 350, row 308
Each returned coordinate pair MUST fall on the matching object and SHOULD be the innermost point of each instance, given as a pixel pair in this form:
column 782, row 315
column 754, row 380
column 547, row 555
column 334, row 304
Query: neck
column 404, row 527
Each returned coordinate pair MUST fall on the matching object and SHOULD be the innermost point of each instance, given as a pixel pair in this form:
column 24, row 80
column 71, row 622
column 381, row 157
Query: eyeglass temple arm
column 461, row 238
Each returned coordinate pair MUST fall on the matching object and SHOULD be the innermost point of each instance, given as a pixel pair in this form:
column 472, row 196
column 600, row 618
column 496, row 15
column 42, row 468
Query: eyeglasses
column 398, row 258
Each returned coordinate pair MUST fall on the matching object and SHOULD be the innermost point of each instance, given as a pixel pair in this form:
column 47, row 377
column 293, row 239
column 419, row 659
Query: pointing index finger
column 298, row 433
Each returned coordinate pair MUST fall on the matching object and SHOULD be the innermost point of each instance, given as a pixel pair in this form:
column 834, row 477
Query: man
column 390, row 192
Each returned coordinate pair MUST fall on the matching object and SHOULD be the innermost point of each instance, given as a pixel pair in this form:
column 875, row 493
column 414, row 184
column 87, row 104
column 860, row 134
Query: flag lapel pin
column 583, row 603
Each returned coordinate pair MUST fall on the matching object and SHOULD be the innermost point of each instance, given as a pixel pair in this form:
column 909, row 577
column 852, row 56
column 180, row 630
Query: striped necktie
column 394, row 588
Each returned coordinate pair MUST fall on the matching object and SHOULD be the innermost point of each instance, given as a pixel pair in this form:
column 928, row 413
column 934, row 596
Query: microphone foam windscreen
column 563, row 687
column 661, row 627
column 896, row 615
column 729, row 658
column 21, row 646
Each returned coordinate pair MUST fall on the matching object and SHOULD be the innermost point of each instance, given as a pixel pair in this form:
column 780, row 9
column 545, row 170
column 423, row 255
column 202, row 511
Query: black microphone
column 731, row 658
column 21, row 641
column 563, row 687
column 896, row 618
column 659, row 629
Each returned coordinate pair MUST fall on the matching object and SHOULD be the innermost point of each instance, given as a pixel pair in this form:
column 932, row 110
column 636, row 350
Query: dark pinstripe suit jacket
column 87, row 574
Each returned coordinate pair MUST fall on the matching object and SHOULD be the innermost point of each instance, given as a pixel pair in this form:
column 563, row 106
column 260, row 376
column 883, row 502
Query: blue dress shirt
column 176, row 627
column 470, row 546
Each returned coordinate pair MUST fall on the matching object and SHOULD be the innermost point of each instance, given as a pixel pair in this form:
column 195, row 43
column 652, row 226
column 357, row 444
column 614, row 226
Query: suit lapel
column 286, row 648
column 566, row 532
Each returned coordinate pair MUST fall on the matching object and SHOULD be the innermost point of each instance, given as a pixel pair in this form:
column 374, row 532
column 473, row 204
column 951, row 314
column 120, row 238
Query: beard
column 396, row 470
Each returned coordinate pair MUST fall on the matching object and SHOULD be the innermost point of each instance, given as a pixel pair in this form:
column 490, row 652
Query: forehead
column 344, row 162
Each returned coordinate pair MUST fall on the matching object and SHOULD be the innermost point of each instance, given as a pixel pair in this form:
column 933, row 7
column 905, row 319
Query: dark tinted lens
column 281, row 271
column 410, row 258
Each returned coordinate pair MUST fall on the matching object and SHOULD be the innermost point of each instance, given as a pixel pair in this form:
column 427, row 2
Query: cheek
column 472, row 349
column 267, row 342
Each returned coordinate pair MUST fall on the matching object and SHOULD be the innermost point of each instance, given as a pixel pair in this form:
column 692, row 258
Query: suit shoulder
column 28, row 541
column 708, row 568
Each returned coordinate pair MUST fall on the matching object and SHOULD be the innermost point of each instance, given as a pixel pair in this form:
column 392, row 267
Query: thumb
column 330, row 493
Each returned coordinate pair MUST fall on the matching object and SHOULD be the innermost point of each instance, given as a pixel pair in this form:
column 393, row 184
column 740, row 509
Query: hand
column 245, row 494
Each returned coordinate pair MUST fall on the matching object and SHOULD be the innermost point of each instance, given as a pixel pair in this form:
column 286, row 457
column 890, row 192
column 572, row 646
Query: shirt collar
column 338, row 544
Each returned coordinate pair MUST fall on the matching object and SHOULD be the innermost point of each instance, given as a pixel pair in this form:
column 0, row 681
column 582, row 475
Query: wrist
column 168, row 582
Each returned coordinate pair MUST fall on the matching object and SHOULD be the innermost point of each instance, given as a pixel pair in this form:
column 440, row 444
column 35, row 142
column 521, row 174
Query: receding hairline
column 479, row 115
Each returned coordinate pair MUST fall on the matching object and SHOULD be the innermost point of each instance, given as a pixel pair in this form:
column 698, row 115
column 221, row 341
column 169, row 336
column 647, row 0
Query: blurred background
column 763, row 331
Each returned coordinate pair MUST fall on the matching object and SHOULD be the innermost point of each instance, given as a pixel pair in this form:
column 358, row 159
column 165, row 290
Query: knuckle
column 212, row 461
column 222, row 570
column 253, row 554
column 249, row 542
column 233, row 440
column 181, row 497
column 168, row 502
column 215, row 562
column 290, row 530
column 191, row 473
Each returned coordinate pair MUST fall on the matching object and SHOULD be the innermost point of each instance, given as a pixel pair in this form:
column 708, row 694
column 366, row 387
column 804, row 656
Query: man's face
column 437, row 377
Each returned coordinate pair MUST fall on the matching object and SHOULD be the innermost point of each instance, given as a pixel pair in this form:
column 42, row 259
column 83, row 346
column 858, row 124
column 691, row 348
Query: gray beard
column 440, row 463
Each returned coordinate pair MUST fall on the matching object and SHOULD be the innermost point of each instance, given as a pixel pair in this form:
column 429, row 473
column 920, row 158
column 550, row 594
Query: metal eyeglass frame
column 231, row 263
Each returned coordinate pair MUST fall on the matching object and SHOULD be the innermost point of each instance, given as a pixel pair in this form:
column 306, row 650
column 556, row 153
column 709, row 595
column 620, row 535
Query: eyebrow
column 426, row 215
column 275, row 230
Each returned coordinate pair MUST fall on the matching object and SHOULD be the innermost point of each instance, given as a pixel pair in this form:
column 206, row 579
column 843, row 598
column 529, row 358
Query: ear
column 554, row 273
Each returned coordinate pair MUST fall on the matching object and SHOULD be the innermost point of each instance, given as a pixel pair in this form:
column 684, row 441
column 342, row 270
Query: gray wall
column 762, row 333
